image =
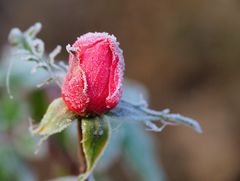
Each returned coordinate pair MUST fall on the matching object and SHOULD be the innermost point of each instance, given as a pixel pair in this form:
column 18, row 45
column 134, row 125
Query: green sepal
column 96, row 134
column 57, row 118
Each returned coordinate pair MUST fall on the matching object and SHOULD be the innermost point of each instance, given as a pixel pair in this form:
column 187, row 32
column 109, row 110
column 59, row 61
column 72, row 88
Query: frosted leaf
column 54, row 53
column 34, row 30
column 8, row 80
column 15, row 36
column 38, row 49
column 57, row 118
column 63, row 65
column 44, row 82
column 126, row 111
column 179, row 119
column 153, row 127
column 96, row 134
column 31, row 48
column 39, row 65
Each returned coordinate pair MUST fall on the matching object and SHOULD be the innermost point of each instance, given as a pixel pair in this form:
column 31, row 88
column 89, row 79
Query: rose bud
column 93, row 84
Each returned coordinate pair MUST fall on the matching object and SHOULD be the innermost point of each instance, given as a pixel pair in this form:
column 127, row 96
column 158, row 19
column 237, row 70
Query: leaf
column 127, row 111
column 20, row 78
column 114, row 148
column 57, row 118
column 179, row 119
column 125, row 142
column 96, row 133
column 30, row 48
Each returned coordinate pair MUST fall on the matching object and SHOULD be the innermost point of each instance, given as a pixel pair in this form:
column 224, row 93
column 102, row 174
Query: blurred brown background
column 186, row 52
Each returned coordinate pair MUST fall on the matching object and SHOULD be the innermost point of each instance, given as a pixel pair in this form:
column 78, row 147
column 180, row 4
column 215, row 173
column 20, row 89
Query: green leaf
column 57, row 118
column 96, row 133
column 95, row 138
column 114, row 148
column 125, row 142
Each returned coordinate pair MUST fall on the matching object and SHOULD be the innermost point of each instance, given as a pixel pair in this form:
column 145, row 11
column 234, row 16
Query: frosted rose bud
column 93, row 84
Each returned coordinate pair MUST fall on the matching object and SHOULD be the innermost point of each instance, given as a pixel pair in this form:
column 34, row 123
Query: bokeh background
column 187, row 54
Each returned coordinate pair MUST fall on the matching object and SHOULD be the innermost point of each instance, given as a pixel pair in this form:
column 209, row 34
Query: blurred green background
column 187, row 53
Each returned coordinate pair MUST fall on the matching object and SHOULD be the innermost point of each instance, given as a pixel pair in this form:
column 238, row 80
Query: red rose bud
column 93, row 84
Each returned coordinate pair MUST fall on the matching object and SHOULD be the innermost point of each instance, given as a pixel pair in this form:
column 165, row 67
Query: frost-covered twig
column 31, row 48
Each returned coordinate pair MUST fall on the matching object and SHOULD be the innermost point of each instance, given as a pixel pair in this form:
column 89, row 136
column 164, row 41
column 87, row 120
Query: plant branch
column 31, row 48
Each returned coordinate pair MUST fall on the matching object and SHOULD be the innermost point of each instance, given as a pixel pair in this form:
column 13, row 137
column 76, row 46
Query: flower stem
column 81, row 157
